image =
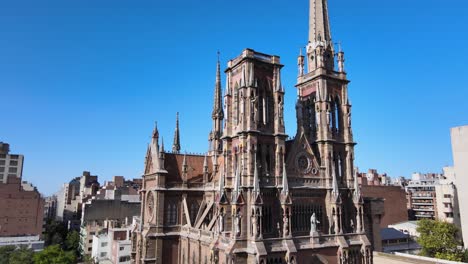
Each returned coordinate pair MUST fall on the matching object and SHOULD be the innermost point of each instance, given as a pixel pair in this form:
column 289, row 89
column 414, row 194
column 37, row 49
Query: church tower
column 217, row 115
column 256, row 196
column 323, row 108
column 254, row 124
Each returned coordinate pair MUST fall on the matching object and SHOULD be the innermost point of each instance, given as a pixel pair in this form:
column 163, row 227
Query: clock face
column 303, row 163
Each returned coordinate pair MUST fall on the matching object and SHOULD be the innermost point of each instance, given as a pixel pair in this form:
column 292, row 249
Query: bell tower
column 254, row 117
column 323, row 108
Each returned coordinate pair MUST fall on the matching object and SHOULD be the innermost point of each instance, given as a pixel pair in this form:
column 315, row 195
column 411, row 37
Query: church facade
column 257, row 196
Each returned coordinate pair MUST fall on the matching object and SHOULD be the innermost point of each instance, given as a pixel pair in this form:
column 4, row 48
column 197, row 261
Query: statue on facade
column 254, row 226
column 280, row 111
column 253, row 110
column 221, row 222
column 313, row 223
column 237, row 224
column 278, row 228
column 286, row 226
column 349, row 119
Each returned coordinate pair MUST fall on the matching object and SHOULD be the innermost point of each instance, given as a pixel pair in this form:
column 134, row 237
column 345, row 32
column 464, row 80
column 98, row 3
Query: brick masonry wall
column 394, row 202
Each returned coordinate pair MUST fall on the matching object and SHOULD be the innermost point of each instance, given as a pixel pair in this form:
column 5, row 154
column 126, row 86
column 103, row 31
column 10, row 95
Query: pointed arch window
column 171, row 213
column 193, row 212
column 336, row 114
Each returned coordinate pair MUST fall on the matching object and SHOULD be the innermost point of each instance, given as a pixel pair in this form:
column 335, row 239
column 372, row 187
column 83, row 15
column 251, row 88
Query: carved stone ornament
column 303, row 163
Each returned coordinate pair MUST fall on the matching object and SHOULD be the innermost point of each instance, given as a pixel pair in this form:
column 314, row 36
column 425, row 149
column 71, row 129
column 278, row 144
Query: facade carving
column 257, row 197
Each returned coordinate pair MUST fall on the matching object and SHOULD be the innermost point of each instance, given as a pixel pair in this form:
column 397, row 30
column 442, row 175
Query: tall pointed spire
column 217, row 114
column 335, row 190
column 162, row 144
column 319, row 25
column 155, row 130
column 176, row 144
column 154, row 151
column 221, row 182
column 237, row 183
column 320, row 52
column 218, row 101
column 256, row 187
column 285, row 180
column 357, row 189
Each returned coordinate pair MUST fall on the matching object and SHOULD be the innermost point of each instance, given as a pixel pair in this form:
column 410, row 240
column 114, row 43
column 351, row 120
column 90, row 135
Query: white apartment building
column 459, row 137
column 434, row 196
column 113, row 245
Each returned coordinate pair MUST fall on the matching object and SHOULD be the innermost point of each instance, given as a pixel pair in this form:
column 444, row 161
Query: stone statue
column 278, row 228
column 317, row 116
column 237, row 222
column 280, row 111
column 349, row 119
column 286, row 226
column 221, row 223
column 253, row 110
column 254, row 226
column 313, row 223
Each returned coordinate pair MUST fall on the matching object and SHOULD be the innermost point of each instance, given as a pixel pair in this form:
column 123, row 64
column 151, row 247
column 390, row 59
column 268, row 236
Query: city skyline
column 110, row 73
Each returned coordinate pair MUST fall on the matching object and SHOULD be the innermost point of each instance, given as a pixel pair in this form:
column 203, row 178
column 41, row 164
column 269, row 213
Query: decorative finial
column 155, row 130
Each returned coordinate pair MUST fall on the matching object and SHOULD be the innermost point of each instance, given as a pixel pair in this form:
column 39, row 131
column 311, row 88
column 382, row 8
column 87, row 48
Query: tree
column 22, row 255
column 5, row 253
column 72, row 242
column 439, row 239
column 54, row 255
column 55, row 233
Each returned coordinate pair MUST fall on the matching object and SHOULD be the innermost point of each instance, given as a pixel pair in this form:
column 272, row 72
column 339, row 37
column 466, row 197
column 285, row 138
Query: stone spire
column 162, row 144
column 256, row 187
column 153, row 152
column 357, row 189
column 320, row 52
column 236, row 187
column 319, row 25
column 221, row 182
column 335, row 189
column 218, row 101
column 217, row 114
column 285, row 181
column 176, row 144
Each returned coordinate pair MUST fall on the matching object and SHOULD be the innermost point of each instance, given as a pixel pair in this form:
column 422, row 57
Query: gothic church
column 257, row 197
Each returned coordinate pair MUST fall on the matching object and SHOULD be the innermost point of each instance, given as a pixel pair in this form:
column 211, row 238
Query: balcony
column 424, row 209
column 448, row 210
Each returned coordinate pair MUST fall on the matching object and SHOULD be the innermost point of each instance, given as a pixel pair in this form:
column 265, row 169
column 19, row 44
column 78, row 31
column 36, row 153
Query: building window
column 171, row 214
column 103, row 254
column 267, row 219
column 2, row 156
column 90, row 241
column 301, row 214
column 193, row 212
column 13, row 163
column 14, row 156
column 121, row 248
column 124, row 258
column 13, row 170
column 104, row 244
column 2, row 169
column 2, row 162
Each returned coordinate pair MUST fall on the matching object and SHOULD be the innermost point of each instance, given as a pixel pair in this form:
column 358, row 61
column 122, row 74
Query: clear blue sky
column 82, row 82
